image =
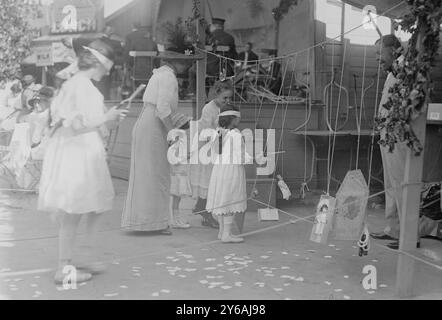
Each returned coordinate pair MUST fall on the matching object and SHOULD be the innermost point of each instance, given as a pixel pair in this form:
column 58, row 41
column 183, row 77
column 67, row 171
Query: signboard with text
column 44, row 56
column 76, row 16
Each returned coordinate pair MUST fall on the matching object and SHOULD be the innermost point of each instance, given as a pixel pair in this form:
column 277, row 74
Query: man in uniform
column 219, row 38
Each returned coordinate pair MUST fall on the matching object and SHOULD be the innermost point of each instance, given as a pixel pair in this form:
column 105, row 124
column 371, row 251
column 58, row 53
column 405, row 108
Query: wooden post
column 200, row 64
column 410, row 215
column 411, row 205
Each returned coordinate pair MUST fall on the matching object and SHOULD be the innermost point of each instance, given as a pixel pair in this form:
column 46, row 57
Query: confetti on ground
column 109, row 295
column 216, row 283
column 210, row 268
column 160, row 263
column 191, row 261
column 123, row 287
column 347, row 298
column 137, row 275
column 278, row 289
column 115, row 262
column 300, row 279
column 331, row 245
column 374, row 260
column 327, row 283
column 337, row 249
column 238, row 284
column 265, row 257
column 287, row 284
column 354, row 247
column 285, row 253
column 155, row 294
column 383, row 286
column 327, row 257
column 204, row 281
column 34, row 285
column 296, row 255
column 338, row 290
column 170, row 258
column 210, row 260
column 37, row 277
column 165, row 291
column 370, row 292
column 18, row 280
column 269, row 275
column 182, row 276
column 346, row 277
column 190, row 269
column 226, row 287
column 285, row 268
column 236, row 272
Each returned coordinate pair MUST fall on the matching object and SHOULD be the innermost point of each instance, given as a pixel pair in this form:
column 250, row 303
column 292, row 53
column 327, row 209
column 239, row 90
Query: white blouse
column 162, row 91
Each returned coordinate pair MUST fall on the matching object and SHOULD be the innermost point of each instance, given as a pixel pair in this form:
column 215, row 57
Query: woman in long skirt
column 75, row 179
column 147, row 206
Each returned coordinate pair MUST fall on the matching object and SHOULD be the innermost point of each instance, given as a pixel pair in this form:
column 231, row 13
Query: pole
column 410, row 204
column 200, row 64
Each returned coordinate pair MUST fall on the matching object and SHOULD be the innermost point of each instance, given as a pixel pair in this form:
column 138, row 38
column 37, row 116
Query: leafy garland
column 284, row 7
column 411, row 93
column 15, row 35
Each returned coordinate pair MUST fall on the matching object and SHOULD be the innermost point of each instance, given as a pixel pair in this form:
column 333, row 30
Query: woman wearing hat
column 147, row 205
column 75, row 178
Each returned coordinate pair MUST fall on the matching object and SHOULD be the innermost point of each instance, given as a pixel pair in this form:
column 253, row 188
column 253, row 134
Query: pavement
column 276, row 262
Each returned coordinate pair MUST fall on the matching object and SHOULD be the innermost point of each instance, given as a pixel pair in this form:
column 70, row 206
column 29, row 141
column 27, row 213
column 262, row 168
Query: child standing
column 200, row 173
column 178, row 159
column 227, row 194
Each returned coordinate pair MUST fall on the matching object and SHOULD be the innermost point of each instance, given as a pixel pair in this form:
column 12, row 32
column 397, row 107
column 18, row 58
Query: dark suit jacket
column 138, row 41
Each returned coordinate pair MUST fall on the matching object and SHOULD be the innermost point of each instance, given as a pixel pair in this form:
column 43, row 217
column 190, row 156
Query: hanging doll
column 286, row 194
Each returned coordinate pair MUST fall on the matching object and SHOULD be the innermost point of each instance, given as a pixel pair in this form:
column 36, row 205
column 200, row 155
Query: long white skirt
column 227, row 193
column 75, row 176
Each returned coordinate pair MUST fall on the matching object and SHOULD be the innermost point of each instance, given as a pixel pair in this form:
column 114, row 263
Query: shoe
column 93, row 268
column 165, row 232
column 80, row 277
column 231, row 239
column 180, row 225
column 208, row 221
column 395, row 245
column 382, row 236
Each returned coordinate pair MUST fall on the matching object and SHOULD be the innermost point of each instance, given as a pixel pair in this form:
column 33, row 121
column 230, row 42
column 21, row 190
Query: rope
column 337, row 118
column 360, row 111
column 374, row 117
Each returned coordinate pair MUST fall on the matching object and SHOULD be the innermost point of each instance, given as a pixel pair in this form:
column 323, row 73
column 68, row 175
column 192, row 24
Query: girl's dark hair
column 87, row 60
column 221, row 86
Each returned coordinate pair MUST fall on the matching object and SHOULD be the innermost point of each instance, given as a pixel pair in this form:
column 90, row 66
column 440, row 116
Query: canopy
column 382, row 6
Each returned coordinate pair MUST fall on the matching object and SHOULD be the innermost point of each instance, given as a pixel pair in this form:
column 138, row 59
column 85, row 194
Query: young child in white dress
column 227, row 194
column 178, row 157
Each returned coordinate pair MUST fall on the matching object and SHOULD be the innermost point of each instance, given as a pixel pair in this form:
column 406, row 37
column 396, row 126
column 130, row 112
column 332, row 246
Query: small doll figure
column 321, row 220
column 286, row 194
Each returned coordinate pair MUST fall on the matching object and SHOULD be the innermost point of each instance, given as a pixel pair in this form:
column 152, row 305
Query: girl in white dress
column 75, row 178
column 200, row 173
column 178, row 156
column 227, row 194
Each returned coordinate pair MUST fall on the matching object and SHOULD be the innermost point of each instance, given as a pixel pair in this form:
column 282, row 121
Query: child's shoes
column 231, row 239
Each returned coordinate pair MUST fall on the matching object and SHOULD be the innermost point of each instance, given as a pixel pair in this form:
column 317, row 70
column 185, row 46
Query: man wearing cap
column 220, row 38
column 393, row 162
column 140, row 39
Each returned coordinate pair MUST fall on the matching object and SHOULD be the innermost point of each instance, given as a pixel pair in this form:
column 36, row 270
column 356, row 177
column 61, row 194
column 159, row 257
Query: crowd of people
column 67, row 127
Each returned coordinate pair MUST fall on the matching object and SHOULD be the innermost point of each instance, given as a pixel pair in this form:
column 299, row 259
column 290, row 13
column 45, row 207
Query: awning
column 382, row 6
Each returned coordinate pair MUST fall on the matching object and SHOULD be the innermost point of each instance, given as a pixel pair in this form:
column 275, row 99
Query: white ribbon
column 106, row 62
